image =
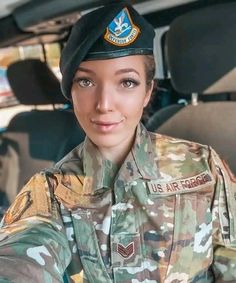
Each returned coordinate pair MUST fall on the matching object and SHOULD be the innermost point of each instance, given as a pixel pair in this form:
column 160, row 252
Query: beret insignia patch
column 122, row 31
column 18, row 207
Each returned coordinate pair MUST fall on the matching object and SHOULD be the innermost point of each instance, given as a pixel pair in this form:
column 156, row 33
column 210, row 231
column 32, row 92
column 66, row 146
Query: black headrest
column 33, row 83
column 201, row 50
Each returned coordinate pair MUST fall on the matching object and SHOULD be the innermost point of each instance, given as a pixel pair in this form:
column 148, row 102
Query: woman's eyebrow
column 126, row 70
column 82, row 69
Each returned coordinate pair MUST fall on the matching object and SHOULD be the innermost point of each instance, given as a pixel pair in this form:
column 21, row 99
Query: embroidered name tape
column 122, row 31
column 182, row 185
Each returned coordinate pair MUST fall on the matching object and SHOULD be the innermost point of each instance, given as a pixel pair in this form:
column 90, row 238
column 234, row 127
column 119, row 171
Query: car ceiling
column 25, row 22
column 8, row 6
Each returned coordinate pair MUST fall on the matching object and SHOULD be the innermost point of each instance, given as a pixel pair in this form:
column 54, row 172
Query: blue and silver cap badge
column 122, row 31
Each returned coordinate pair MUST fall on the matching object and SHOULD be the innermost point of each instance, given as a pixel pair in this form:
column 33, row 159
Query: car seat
column 162, row 116
column 201, row 59
column 38, row 138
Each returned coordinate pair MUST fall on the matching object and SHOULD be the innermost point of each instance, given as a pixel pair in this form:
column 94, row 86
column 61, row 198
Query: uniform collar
column 145, row 154
column 139, row 163
column 99, row 172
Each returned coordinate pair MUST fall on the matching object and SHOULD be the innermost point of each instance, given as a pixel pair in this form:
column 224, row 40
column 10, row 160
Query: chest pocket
column 191, row 251
column 192, row 238
column 82, row 208
column 88, row 247
column 125, row 238
column 125, row 250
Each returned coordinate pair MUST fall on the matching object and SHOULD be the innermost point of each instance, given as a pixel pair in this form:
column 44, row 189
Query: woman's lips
column 106, row 126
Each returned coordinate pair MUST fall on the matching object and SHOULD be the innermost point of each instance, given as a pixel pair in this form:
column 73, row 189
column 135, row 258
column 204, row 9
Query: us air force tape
column 179, row 186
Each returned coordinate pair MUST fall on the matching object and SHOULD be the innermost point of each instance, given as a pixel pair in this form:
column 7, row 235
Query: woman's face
column 109, row 97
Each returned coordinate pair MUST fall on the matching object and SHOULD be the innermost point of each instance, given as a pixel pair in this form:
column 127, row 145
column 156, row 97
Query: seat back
column 33, row 83
column 201, row 50
column 201, row 59
column 208, row 123
column 162, row 116
column 35, row 139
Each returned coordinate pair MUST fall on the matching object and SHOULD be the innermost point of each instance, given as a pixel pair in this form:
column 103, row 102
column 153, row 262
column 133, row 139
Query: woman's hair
column 150, row 68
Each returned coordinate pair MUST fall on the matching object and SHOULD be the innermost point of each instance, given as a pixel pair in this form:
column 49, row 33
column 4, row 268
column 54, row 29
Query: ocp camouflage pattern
column 168, row 215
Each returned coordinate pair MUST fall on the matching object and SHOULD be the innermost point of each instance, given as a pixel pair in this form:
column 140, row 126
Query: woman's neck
column 118, row 153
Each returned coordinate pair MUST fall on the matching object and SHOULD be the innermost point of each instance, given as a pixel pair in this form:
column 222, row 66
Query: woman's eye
column 83, row 82
column 129, row 83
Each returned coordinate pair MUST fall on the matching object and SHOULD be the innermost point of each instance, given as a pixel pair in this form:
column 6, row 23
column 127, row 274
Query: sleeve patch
column 21, row 204
column 33, row 200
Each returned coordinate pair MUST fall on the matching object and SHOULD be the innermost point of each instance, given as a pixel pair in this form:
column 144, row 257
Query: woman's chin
column 105, row 141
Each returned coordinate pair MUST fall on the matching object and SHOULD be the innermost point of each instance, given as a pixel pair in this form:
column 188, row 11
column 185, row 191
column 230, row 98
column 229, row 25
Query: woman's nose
column 105, row 99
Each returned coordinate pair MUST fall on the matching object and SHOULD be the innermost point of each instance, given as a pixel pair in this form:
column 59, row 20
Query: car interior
column 34, row 134
column 194, row 97
column 198, row 68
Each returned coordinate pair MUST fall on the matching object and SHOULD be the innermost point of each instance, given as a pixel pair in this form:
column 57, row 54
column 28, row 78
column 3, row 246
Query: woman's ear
column 148, row 93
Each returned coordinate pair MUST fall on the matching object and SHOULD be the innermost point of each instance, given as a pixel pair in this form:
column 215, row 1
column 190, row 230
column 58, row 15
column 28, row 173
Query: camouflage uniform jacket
column 167, row 216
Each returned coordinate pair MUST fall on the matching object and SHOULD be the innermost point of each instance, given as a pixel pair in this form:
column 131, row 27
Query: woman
column 126, row 205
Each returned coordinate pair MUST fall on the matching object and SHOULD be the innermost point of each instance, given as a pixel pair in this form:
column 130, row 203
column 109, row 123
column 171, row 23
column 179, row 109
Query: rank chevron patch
column 125, row 252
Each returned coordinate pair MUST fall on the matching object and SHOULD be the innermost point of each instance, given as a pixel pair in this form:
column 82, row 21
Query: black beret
column 112, row 31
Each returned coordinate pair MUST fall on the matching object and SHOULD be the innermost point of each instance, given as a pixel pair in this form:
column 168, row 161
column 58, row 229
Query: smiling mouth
column 106, row 126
